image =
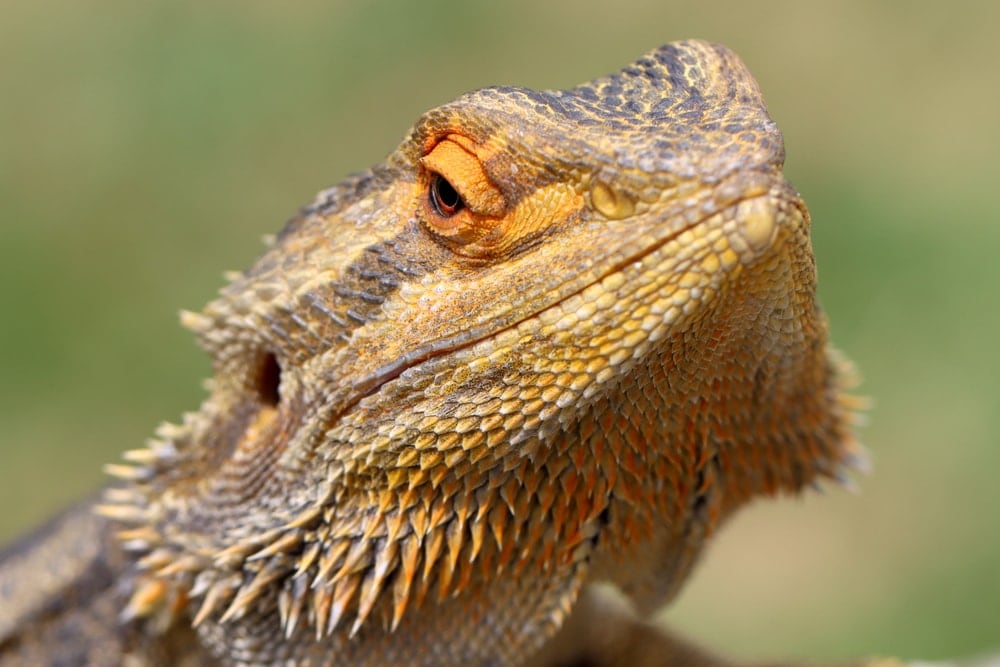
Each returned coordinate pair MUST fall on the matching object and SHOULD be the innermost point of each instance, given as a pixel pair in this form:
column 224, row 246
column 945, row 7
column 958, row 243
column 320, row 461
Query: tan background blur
column 145, row 147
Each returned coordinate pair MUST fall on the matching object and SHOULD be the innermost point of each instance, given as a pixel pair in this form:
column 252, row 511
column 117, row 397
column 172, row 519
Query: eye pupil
column 447, row 202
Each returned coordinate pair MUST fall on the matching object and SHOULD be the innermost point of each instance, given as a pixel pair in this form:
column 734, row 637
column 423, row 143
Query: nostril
column 269, row 380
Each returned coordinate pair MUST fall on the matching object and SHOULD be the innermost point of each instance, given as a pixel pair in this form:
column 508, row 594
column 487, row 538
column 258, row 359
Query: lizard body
column 555, row 339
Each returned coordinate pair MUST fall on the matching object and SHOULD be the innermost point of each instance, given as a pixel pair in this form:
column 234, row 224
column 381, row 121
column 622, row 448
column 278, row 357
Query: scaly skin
column 555, row 340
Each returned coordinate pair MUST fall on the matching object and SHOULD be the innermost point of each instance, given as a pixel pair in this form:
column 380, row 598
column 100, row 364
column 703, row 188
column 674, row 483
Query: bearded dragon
column 555, row 340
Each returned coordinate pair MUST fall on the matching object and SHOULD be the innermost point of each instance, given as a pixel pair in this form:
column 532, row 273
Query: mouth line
column 370, row 383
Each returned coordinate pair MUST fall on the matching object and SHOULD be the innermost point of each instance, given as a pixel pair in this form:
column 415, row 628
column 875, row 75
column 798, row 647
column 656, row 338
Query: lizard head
column 466, row 350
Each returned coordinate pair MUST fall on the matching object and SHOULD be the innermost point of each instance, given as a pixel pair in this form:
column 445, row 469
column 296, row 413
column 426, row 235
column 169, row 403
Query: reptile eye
column 445, row 199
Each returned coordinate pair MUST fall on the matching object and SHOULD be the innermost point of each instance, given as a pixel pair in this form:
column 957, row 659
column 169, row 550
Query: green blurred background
column 145, row 147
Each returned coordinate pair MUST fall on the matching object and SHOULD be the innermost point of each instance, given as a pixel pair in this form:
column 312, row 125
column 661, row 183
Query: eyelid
column 454, row 160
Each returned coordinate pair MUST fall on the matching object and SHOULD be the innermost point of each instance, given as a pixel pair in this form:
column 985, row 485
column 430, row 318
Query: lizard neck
column 697, row 431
